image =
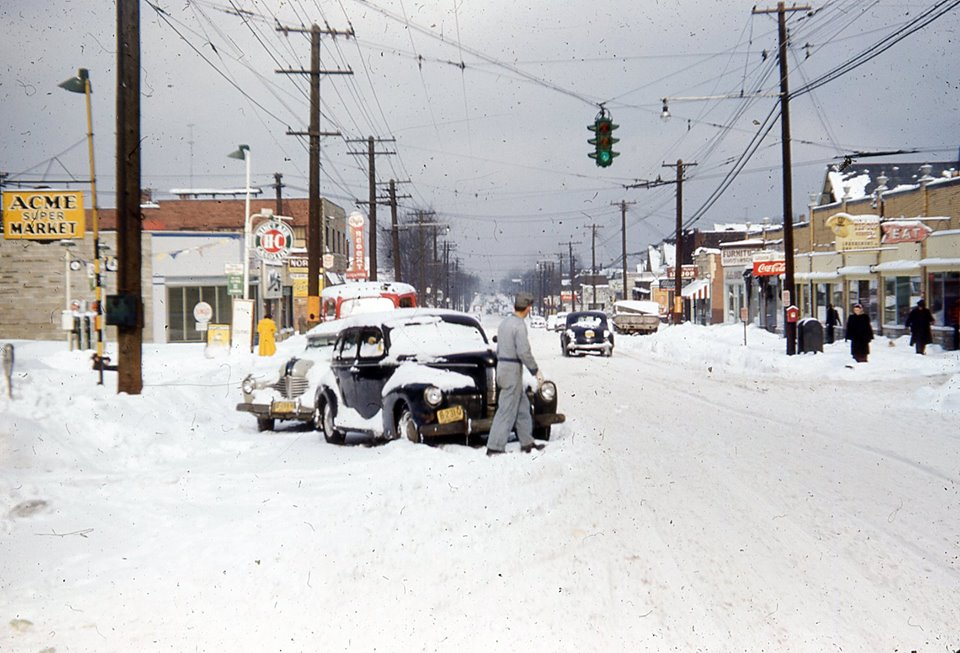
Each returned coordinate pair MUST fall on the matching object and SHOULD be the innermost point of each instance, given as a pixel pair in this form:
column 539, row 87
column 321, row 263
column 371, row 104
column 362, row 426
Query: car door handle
column 354, row 369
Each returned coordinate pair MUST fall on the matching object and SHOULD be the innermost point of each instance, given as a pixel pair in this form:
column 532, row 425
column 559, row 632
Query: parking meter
column 8, row 367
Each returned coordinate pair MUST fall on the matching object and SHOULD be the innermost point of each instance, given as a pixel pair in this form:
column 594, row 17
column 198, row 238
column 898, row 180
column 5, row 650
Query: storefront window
column 944, row 289
column 181, row 325
column 864, row 292
column 900, row 294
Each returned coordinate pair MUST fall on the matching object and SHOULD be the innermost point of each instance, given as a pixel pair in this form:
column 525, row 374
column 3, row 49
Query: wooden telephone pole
column 316, row 230
column 372, row 202
column 678, row 254
column 623, row 241
column 789, row 328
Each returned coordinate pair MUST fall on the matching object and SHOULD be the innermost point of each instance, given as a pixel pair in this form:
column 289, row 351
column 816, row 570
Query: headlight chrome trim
column 433, row 396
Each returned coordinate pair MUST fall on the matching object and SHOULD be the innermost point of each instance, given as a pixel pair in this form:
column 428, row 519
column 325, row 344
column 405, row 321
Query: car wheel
column 407, row 426
column 541, row 432
column 264, row 424
column 323, row 415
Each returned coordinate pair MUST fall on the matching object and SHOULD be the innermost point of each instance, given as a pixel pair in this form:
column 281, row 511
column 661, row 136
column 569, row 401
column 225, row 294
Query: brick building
column 186, row 244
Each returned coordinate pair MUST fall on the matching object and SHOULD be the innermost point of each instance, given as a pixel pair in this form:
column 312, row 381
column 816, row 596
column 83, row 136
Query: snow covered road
column 702, row 496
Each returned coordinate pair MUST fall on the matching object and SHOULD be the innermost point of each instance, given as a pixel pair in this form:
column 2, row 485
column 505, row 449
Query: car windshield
column 321, row 341
column 585, row 321
column 433, row 336
column 365, row 305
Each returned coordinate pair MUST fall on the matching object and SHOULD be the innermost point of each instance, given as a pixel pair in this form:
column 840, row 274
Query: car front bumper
column 474, row 426
column 282, row 410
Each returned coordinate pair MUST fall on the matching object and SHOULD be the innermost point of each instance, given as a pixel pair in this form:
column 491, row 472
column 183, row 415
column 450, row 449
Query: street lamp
column 81, row 84
column 243, row 152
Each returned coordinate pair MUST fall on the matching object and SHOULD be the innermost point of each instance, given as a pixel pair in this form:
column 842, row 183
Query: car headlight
column 248, row 385
column 433, row 396
column 548, row 390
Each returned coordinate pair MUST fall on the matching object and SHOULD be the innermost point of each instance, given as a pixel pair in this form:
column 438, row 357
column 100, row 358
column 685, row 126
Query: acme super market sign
column 43, row 215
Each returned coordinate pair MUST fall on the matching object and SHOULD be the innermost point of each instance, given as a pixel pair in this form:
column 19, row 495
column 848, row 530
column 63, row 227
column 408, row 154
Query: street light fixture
column 81, row 84
column 243, row 152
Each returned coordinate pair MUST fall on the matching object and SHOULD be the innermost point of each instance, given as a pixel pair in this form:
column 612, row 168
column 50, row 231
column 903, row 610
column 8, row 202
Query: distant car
column 587, row 331
column 557, row 322
column 417, row 374
column 290, row 395
column 538, row 322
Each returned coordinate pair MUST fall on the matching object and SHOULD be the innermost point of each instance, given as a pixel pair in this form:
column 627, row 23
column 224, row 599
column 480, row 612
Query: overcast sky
column 497, row 146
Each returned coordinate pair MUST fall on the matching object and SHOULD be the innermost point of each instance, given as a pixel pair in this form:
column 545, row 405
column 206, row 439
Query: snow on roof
column 367, row 289
column 637, row 306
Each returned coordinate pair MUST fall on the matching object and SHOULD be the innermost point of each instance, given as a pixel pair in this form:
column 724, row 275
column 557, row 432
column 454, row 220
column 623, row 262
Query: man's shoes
column 494, row 452
column 533, row 446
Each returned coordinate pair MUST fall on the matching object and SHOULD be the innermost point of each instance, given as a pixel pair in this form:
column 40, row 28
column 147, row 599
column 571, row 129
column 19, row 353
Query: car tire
column 265, row 424
column 407, row 426
column 323, row 417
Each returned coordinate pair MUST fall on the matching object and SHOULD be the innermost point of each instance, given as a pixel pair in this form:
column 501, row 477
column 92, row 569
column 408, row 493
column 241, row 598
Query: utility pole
column 573, row 292
column 129, row 225
column 678, row 254
column 395, row 229
column 316, row 231
column 593, row 264
column 789, row 328
column 372, row 169
column 623, row 238
column 278, row 186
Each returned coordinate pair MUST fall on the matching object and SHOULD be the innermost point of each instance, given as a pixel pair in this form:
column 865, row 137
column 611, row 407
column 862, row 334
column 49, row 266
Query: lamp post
column 243, row 152
column 81, row 84
column 67, row 244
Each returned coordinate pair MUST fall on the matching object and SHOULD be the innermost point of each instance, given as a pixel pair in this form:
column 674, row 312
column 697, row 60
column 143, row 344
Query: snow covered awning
column 816, row 276
column 854, row 271
column 902, row 265
column 698, row 289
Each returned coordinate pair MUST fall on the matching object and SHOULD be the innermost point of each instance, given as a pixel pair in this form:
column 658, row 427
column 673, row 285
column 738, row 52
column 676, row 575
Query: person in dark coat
column 919, row 322
column 833, row 321
column 859, row 332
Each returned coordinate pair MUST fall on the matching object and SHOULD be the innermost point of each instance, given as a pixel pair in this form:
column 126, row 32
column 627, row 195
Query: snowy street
column 702, row 496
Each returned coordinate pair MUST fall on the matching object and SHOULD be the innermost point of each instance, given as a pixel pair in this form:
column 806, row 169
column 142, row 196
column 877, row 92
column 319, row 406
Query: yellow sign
column 854, row 231
column 43, row 215
column 218, row 335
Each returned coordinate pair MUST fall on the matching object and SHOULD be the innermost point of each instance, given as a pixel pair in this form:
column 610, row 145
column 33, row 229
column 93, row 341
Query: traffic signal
column 603, row 141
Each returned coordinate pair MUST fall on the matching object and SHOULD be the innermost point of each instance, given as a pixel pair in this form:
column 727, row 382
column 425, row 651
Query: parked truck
column 636, row 316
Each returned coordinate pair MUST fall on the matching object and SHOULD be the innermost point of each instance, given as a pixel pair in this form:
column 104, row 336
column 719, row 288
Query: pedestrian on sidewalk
column 859, row 332
column 919, row 322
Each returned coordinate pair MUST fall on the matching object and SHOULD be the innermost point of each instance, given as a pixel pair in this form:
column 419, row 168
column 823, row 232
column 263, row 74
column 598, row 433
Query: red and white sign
column 273, row 240
column 769, row 268
column 358, row 262
column 686, row 272
column 904, row 231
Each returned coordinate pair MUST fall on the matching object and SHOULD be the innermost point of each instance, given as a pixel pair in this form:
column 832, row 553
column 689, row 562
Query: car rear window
column 435, row 337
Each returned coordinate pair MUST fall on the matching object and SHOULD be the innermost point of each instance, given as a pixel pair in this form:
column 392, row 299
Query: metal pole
column 246, row 229
column 98, row 292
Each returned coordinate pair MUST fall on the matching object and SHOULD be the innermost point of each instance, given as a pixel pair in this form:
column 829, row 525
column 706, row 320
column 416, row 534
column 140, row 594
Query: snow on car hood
column 409, row 372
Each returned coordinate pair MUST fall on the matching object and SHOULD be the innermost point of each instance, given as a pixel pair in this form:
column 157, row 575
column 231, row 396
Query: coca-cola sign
column 769, row 268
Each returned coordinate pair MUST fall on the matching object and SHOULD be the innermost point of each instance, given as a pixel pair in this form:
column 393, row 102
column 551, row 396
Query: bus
column 365, row 297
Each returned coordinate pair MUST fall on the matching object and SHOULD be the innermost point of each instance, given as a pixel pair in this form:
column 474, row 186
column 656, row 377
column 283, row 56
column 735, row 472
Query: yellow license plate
column 448, row 415
column 283, row 407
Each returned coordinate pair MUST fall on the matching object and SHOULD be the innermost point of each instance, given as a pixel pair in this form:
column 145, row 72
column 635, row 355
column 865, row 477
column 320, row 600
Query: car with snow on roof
column 586, row 331
column 419, row 374
column 289, row 395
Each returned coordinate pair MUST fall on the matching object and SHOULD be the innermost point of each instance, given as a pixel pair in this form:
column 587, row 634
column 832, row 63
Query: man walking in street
column 513, row 407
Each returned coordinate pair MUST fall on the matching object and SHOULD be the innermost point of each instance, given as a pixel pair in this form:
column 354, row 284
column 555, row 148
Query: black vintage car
column 418, row 374
column 587, row 331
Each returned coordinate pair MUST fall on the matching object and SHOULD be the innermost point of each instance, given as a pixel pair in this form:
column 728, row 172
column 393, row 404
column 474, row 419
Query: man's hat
column 523, row 300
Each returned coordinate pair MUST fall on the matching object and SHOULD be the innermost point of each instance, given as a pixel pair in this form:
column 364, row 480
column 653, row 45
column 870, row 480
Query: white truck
column 636, row 316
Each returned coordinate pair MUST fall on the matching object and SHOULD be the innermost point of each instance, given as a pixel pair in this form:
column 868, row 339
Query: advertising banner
column 358, row 265
column 43, row 215
column 854, row 231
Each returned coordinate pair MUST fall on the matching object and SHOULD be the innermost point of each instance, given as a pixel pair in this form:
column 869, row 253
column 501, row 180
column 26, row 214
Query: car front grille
column 291, row 387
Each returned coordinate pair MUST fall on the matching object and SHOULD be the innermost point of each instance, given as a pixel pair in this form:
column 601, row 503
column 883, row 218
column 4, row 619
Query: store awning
column 902, row 265
column 854, row 271
column 697, row 289
column 816, row 276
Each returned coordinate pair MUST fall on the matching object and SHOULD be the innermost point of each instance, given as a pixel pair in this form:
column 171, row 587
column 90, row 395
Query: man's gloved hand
column 539, row 378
